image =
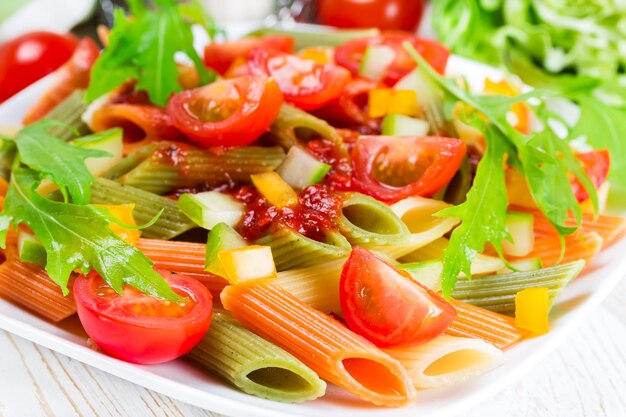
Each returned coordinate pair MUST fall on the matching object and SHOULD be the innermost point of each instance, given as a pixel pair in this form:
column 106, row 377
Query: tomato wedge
column 386, row 306
column 232, row 112
column 220, row 56
column 304, row 82
column 72, row 75
column 350, row 54
column 390, row 168
column 596, row 164
column 30, row 57
column 139, row 328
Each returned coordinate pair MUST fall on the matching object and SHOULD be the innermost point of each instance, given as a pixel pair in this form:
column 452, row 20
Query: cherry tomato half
column 304, row 82
column 30, row 57
column 139, row 328
column 596, row 164
column 232, row 112
column 381, row 14
column 72, row 75
column 386, row 306
column 390, row 168
column 220, row 56
column 350, row 54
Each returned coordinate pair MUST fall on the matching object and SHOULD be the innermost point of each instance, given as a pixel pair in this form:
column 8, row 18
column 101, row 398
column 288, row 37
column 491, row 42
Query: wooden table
column 585, row 377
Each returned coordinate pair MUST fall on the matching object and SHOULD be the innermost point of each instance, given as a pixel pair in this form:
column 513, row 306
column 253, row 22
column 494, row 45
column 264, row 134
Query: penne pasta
column 69, row 113
column 253, row 364
column 30, row 286
column 446, row 360
column 479, row 323
column 293, row 126
column 291, row 249
column 321, row 342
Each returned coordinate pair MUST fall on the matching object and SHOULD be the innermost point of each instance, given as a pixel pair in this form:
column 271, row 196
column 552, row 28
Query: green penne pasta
column 317, row 286
column 69, row 112
column 316, row 36
column 130, row 162
column 291, row 249
column 294, row 126
column 253, row 364
column 367, row 222
column 497, row 292
column 173, row 166
column 171, row 223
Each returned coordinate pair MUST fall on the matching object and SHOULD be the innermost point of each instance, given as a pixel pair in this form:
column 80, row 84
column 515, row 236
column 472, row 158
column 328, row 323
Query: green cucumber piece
column 430, row 98
column 210, row 208
column 426, row 273
column 400, row 125
column 301, row 169
column 521, row 227
column 110, row 141
column 524, row 265
column 376, row 60
column 30, row 249
column 221, row 237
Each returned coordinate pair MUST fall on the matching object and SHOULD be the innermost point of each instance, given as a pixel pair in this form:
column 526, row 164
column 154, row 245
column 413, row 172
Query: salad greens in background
column 576, row 48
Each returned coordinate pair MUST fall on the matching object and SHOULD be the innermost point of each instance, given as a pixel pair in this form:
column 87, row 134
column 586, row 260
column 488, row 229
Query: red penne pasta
column 142, row 124
column 577, row 246
column 183, row 257
column 478, row 323
column 30, row 286
column 321, row 342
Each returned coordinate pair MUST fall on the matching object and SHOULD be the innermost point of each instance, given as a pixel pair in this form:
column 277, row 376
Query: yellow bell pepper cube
column 532, row 306
column 320, row 54
column 383, row 101
column 123, row 213
column 248, row 264
column 275, row 189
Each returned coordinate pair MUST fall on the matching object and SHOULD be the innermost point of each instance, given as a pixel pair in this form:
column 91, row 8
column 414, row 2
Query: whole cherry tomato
column 382, row 14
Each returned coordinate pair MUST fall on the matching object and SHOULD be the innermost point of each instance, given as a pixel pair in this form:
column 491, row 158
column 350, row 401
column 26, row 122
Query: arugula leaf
column 78, row 237
column 56, row 160
column 142, row 48
column 482, row 215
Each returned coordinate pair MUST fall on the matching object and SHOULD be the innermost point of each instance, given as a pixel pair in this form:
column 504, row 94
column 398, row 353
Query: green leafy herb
column 77, row 237
column 142, row 48
column 62, row 163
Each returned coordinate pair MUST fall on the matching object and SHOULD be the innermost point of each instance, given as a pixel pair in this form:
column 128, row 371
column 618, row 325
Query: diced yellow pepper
column 532, row 306
column 248, row 264
column 275, row 189
column 383, row 101
column 318, row 54
column 123, row 213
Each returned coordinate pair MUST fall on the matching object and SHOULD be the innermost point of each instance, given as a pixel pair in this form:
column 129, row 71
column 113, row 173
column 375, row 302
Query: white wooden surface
column 585, row 377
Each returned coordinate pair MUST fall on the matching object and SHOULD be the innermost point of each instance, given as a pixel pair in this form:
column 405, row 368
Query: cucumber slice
column 429, row 95
column 221, row 237
column 525, row 265
column 210, row 208
column 521, row 228
column 375, row 61
column 109, row 141
column 30, row 249
column 400, row 125
column 252, row 263
column 301, row 169
column 426, row 273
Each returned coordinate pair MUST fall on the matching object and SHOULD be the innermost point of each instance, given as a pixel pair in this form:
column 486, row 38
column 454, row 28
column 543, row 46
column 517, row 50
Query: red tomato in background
column 596, row 164
column 232, row 112
column 30, row 57
column 220, row 56
column 391, row 168
column 350, row 54
column 382, row 14
column 304, row 82
column 386, row 306
column 72, row 75
column 139, row 328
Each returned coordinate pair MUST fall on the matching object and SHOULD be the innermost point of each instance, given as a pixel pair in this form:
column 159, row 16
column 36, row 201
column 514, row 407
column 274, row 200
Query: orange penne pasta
column 321, row 342
column 478, row 323
column 577, row 246
column 142, row 124
column 610, row 228
column 182, row 257
column 30, row 286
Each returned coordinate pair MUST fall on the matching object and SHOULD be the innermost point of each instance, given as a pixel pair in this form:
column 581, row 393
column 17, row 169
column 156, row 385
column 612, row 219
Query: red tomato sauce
column 313, row 217
column 340, row 176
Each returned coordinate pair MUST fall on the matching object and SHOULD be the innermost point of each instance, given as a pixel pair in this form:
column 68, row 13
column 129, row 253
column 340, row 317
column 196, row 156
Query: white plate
column 181, row 380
